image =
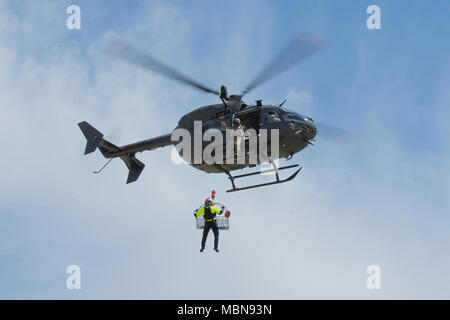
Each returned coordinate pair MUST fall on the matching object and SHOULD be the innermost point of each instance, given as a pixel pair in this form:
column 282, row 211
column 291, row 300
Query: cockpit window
column 290, row 115
column 271, row 117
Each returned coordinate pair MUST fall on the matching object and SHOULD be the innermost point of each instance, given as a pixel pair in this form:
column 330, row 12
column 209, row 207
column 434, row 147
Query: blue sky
column 380, row 198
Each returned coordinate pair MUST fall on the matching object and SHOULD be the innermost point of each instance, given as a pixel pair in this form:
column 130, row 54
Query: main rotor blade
column 303, row 46
column 128, row 53
column 332, row 133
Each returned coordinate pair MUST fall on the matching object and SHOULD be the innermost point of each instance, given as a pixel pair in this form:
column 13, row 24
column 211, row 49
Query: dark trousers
column 211, row 225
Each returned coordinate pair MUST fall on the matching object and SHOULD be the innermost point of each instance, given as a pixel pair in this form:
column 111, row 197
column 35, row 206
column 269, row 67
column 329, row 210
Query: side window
column 271, row 117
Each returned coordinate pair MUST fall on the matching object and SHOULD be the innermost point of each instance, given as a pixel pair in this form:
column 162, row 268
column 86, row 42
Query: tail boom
column 126, row 153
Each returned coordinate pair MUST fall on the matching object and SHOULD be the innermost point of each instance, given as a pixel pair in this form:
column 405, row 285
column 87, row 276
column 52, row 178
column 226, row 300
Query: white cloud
column 354, row 205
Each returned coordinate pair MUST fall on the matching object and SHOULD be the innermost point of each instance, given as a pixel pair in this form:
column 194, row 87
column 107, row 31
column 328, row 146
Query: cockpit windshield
column 287, row 110
column 292, row 115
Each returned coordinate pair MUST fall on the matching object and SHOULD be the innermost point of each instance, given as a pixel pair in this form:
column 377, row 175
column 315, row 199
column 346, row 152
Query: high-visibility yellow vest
column 208, row 212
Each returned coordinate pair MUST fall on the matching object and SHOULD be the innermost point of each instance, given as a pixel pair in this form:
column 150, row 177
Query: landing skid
column 277, row 181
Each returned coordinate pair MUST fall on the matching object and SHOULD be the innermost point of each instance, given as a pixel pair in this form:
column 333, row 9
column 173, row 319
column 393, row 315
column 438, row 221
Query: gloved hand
column 223, row 207
column 195, row 213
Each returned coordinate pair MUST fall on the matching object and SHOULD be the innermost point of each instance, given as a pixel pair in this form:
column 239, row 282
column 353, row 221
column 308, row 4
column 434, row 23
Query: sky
column 380, row 198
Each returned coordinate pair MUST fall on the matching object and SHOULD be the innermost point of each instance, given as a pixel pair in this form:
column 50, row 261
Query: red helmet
column 208, row 201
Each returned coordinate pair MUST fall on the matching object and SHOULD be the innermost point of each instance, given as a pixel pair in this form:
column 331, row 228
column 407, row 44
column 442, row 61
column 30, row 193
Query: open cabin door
column 250, row 119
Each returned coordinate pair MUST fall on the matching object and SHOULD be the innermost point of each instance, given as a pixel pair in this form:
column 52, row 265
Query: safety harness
column 209, row 216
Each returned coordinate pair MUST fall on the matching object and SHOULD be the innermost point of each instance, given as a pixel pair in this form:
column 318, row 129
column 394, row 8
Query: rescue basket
column 223, row 223
column 223, row 220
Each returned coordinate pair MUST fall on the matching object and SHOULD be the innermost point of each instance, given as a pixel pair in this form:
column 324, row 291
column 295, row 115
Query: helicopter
column 295, row 130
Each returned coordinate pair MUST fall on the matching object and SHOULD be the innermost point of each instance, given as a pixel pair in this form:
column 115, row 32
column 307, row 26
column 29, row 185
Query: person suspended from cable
column 209, row 212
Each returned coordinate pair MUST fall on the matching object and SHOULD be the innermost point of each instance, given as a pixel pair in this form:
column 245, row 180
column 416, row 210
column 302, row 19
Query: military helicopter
column 295, row 130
